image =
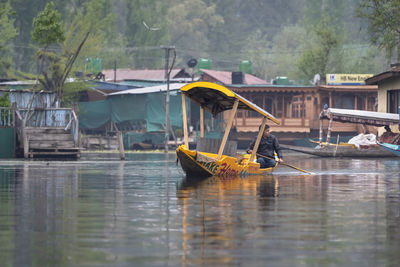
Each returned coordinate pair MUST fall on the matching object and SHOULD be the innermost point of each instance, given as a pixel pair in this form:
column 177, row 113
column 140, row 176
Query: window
column 298, row 107
column 393, row 99
column 346, row 101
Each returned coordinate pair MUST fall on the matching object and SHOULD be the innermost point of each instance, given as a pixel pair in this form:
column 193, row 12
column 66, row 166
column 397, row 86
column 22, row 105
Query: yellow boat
column 216, row 98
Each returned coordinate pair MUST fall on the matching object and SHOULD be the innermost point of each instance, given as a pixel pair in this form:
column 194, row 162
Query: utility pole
column 167, row 73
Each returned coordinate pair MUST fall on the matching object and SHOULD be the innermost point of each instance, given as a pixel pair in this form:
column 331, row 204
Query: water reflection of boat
column 215, row 186
column 216, row 99
column 340, row 149
column 213, row 209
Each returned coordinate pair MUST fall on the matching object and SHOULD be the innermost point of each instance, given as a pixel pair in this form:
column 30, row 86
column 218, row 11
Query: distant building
column 388, row 83
column 120, row 75
column 226, row 77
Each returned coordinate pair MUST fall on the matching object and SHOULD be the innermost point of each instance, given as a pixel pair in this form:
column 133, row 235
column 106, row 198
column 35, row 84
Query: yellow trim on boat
column 230, row 94
column 214, row 86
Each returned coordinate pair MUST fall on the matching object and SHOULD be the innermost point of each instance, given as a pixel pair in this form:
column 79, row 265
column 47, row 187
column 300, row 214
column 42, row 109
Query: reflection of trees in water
column 55, row 202
column 393, row 218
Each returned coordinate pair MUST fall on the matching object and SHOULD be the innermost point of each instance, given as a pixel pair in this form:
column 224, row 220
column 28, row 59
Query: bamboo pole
column 228, row 129
column 257, row 143
column 185, row 127
column 201, row 122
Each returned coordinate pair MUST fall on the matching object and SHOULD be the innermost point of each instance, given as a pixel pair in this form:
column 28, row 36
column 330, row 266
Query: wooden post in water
column 121, row 146
column 328, row 136
column 257, row 143
column 185, row 127
column 321, row 122
column 26, row 144
column 201, row 122
column 228, row 129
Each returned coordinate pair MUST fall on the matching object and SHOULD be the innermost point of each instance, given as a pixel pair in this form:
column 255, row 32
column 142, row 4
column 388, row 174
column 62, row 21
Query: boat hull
column 342, row 151
column 394, row 149
column 201, row 164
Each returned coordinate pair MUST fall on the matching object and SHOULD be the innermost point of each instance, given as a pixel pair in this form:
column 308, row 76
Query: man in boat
column 268, row 145
column 388, row 136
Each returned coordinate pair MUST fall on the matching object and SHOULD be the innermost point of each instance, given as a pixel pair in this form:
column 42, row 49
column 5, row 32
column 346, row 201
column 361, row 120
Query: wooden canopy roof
column 360, row 116
column 216, row 98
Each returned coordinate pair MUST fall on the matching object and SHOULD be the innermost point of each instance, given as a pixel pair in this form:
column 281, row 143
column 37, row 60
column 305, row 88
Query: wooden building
column 388, row 83
column 298, row 107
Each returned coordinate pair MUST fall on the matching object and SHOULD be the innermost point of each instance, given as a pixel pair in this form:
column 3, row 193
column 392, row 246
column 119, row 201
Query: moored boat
column 340, row 149
column 216, row 98
column 393, row 149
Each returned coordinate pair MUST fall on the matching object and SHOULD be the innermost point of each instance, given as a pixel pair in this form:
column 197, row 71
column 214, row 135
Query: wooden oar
column 288, row 165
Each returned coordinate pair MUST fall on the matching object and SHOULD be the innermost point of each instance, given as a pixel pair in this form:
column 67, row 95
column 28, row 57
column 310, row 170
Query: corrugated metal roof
column 151, row 89
column 113, row 86
column 129, row 74
column 225, row 77
column 393, row 73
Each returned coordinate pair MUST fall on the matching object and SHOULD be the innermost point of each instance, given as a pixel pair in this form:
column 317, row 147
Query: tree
column 47, row 30
column 47, row 27
column 146, row 30
column 190, row 22
column 383, row 24
column 318, row 57
column 7, row 33
column 285, row 50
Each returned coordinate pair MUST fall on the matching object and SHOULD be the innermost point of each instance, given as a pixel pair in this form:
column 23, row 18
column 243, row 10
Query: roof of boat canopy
column 360, row 116
column 216, row 98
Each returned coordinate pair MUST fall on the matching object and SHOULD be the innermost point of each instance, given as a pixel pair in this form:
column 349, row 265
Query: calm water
column 142, row 212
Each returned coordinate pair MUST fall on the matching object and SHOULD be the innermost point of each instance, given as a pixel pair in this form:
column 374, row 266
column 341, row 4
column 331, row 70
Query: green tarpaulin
column 148, row 107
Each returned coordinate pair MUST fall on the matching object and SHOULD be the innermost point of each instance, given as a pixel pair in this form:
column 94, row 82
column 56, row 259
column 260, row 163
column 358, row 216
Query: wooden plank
column 201, row 122
column 39, row 144
column 228, row 128
column 185, row 126
column 257, row 143
column 50, row 137
column 45, row 130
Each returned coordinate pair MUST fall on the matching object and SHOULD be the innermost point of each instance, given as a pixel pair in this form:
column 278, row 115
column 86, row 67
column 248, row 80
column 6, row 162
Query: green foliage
column 143, row 41
column 4, row 101
column 274, row 35
column 285, row 51
column 383, row 23
column 47, row 27
column 323, row 54
column 73, row 91
column 98, row 18
column 256, row 50
column 7, row 33
column 190, row 22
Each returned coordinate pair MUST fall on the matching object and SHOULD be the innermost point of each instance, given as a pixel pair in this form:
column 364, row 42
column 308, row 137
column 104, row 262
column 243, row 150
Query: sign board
column 347, row 79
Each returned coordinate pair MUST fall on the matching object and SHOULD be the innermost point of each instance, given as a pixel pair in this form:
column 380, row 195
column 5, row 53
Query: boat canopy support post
column 185, row 126
column 228, row 128
column 201, row 122
column 321, row 122
column 328, row 136
column 257, row 143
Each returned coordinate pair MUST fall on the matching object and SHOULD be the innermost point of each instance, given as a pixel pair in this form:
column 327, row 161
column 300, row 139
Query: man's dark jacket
column 267, row 146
